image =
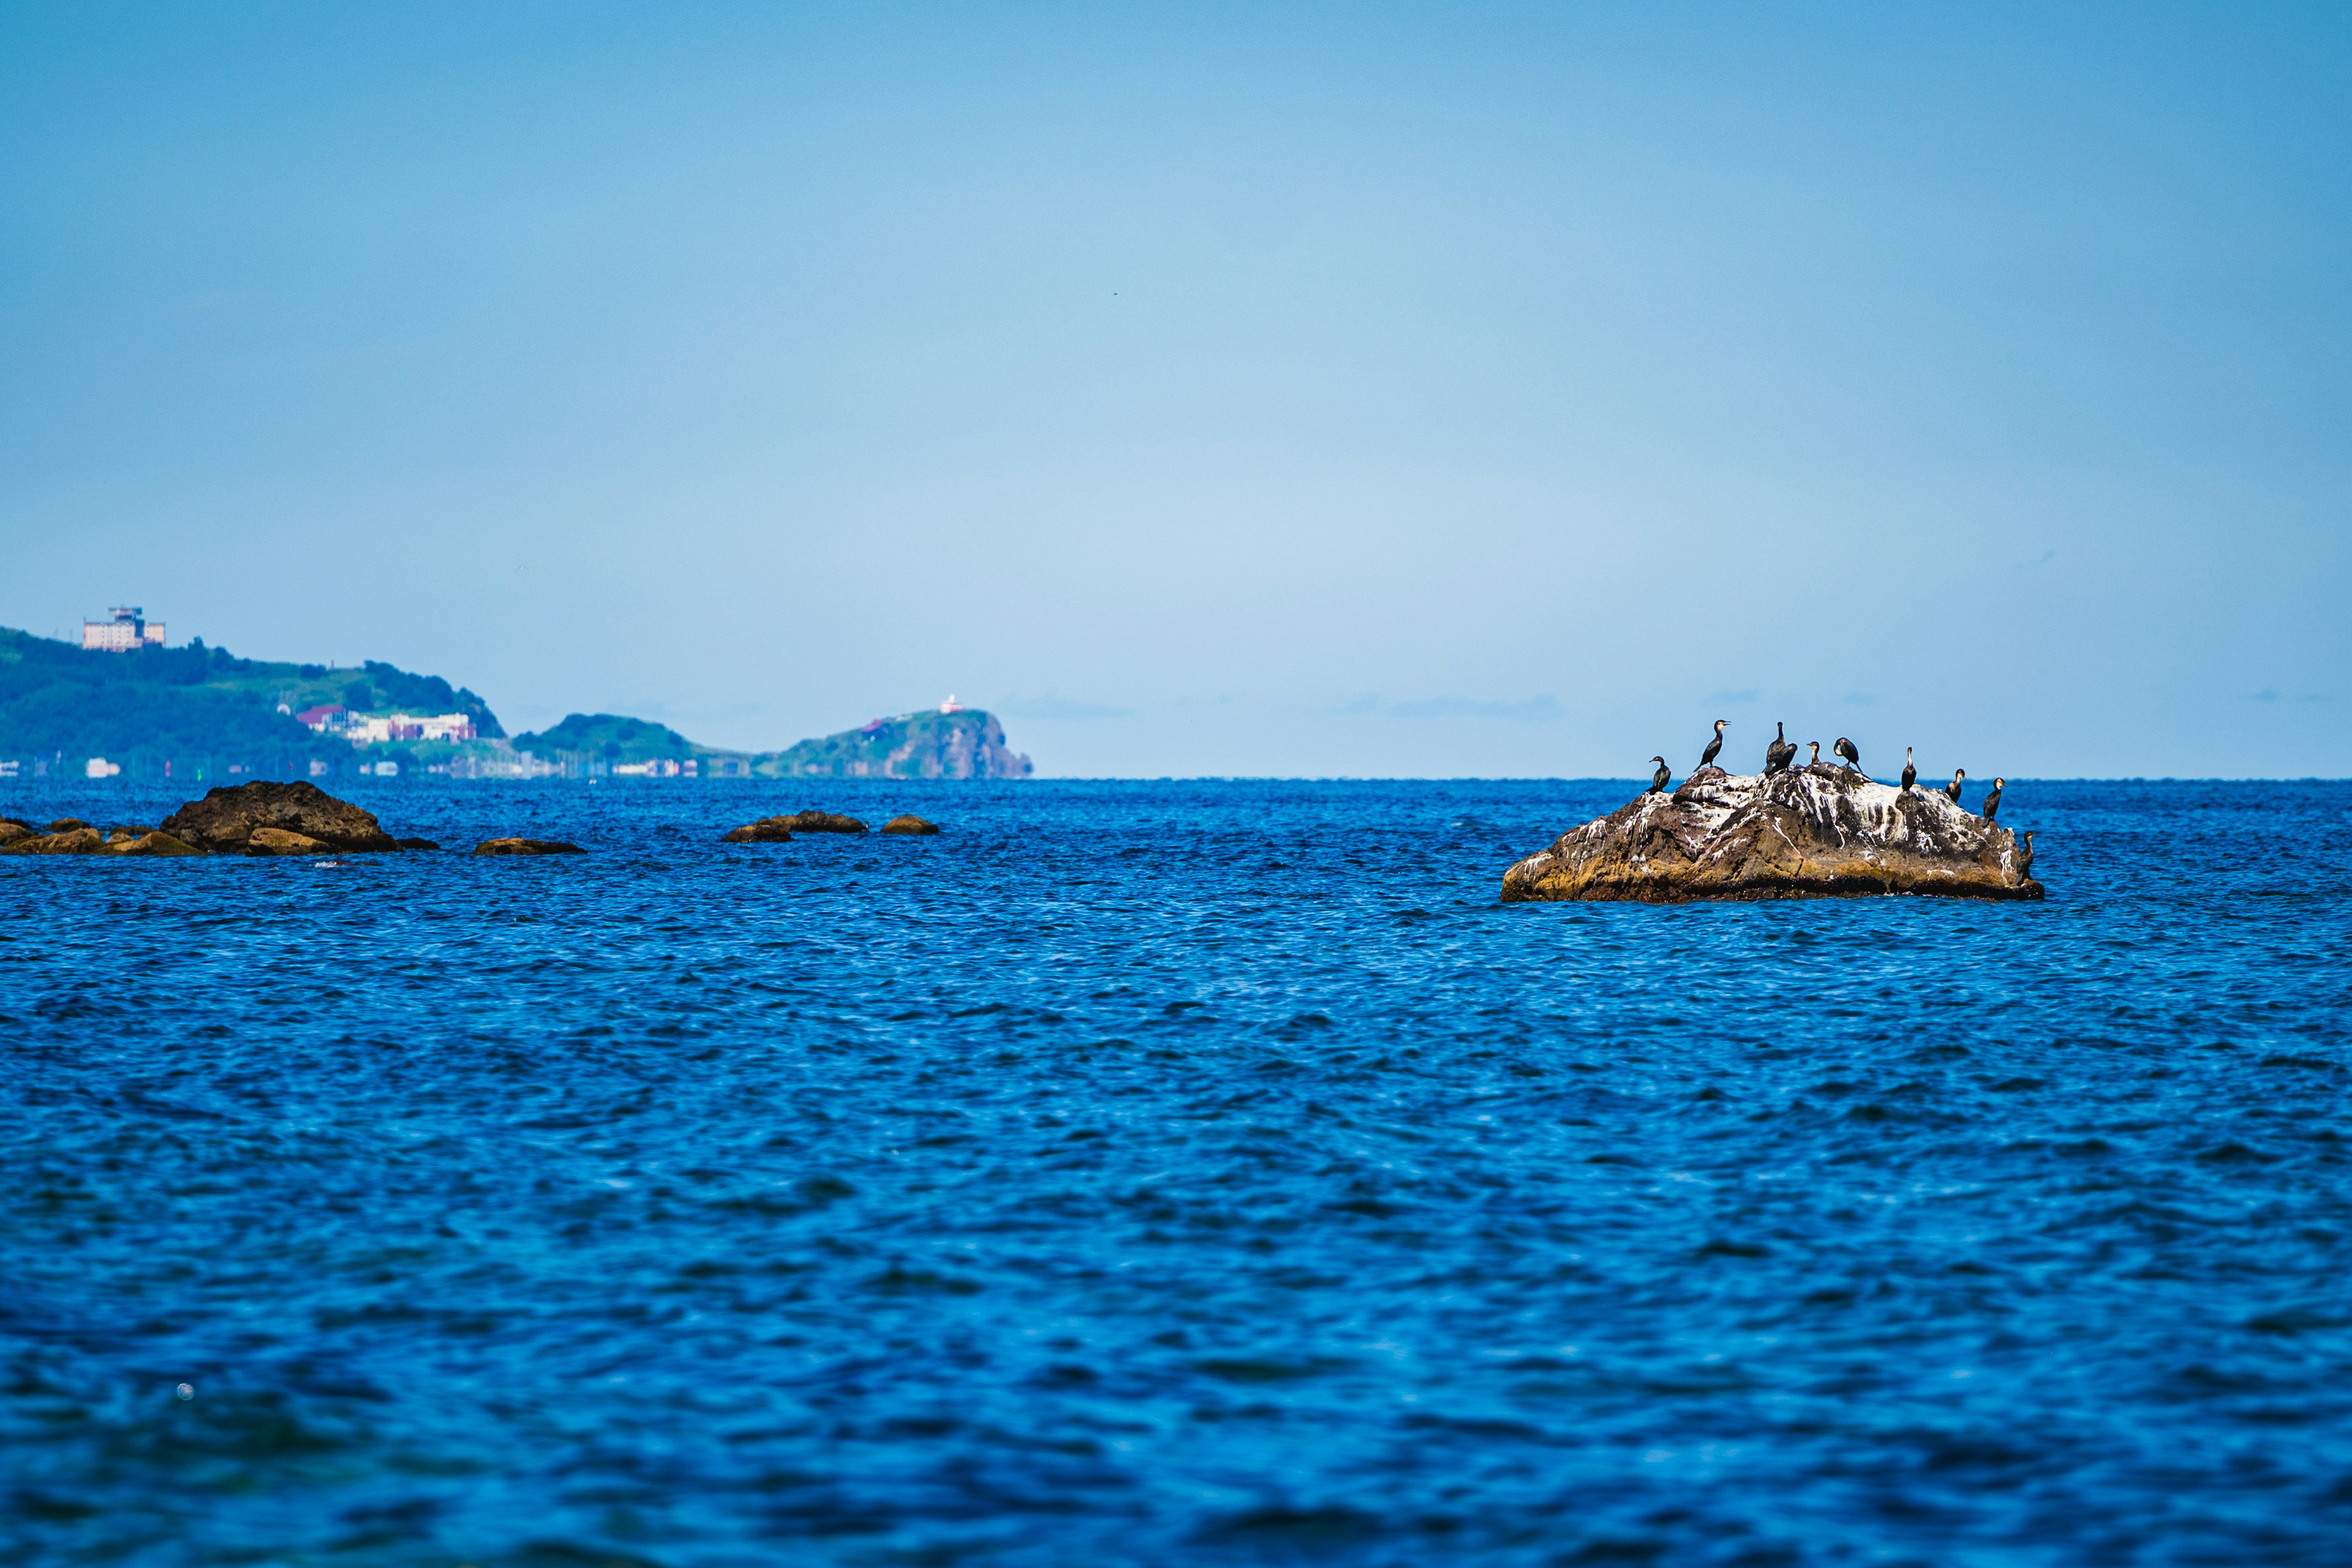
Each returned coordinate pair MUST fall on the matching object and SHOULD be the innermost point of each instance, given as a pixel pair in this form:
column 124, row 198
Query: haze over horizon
column 1370, row 392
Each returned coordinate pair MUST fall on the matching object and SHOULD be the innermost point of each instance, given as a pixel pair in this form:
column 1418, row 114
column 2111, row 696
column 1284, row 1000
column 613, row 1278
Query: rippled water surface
column 1172, row 1173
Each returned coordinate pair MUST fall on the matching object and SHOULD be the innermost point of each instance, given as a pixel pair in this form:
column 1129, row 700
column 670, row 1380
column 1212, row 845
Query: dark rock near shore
column 67, row 825
column 526, row 847
column 227, row 820
column 1812, row 833
column 908, row 823
column 11, row 830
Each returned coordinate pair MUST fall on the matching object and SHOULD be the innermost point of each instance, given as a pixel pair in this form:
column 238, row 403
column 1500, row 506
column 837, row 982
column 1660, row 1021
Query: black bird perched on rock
column 1992, row 801
column 1815, row 760
column 1780, row 752
column 1707, row 758
column 1952, row 790
column 1658, row 780
column 1910, row 774
column 1844, row 748
column 2025, row 851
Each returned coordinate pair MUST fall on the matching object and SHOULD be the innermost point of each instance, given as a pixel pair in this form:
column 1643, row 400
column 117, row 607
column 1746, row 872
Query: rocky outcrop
column 907, row 824
column 1812, row 833
column 227, row 820
column 526, row 847
column 13, row 828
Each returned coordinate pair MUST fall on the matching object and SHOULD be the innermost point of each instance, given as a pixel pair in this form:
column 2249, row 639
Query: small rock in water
column 908, row 823
column 822, row 821
column 776, row 830
column 526, row 847
column 67, row 825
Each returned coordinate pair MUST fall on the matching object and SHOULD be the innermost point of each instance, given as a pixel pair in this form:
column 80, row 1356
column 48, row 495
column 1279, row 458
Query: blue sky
column 1276, row 391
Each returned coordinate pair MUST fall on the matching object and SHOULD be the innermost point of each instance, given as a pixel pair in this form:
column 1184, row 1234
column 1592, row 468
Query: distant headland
column 124, row 704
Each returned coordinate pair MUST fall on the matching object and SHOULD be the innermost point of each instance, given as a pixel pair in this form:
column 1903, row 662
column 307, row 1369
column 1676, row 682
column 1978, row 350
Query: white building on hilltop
column 126, row 631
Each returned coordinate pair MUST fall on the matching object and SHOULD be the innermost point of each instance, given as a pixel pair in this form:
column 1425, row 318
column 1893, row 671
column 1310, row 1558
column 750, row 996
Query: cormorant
column 1815, row 761
column 1707, row 758
column 1844, row 748
column 2025, row 851
column 1780, row 752
column 1993, row 802
column 1658, row 780
column 1910, row 774
column 1952, row 790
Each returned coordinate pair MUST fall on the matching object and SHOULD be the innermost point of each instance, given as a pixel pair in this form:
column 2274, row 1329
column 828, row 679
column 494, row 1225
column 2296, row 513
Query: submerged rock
column 1812, row 833
column 227, row 820
column 907, row 824
column 526, row 847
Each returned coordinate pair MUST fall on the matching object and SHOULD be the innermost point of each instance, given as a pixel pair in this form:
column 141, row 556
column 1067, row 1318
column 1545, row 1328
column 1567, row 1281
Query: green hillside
column 927, row 746
column 203, row 713
column 202, row 709
column 610, row 737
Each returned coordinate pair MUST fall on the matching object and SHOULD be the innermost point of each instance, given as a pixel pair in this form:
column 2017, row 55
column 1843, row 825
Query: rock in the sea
column 822, row 821
column 281, row 841
column 149, row 843
column 776, row 830
column 1818, row 832
column 67, row 824
column 73, row 841
column 526, row 847
column 12, row 829
column 226, row 819
column 909, row 824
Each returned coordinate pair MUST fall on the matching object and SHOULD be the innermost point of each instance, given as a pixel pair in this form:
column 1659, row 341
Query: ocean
column 1170, row 1173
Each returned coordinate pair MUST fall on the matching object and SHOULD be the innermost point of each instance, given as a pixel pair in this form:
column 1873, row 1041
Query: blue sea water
column 1172, row 1173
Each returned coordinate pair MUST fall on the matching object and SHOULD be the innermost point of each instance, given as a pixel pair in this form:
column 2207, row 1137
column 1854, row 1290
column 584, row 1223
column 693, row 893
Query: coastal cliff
column 968, row 743
column 1812, row 833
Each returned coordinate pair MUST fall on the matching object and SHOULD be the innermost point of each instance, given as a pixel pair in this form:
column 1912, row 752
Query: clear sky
column 1440, row 391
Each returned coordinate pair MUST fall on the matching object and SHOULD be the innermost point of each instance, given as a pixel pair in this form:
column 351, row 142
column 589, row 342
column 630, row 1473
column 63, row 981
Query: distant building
column 363, row 730
column 951, row 705
column 319, row 718
column 126, row 631
column 99, row 768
